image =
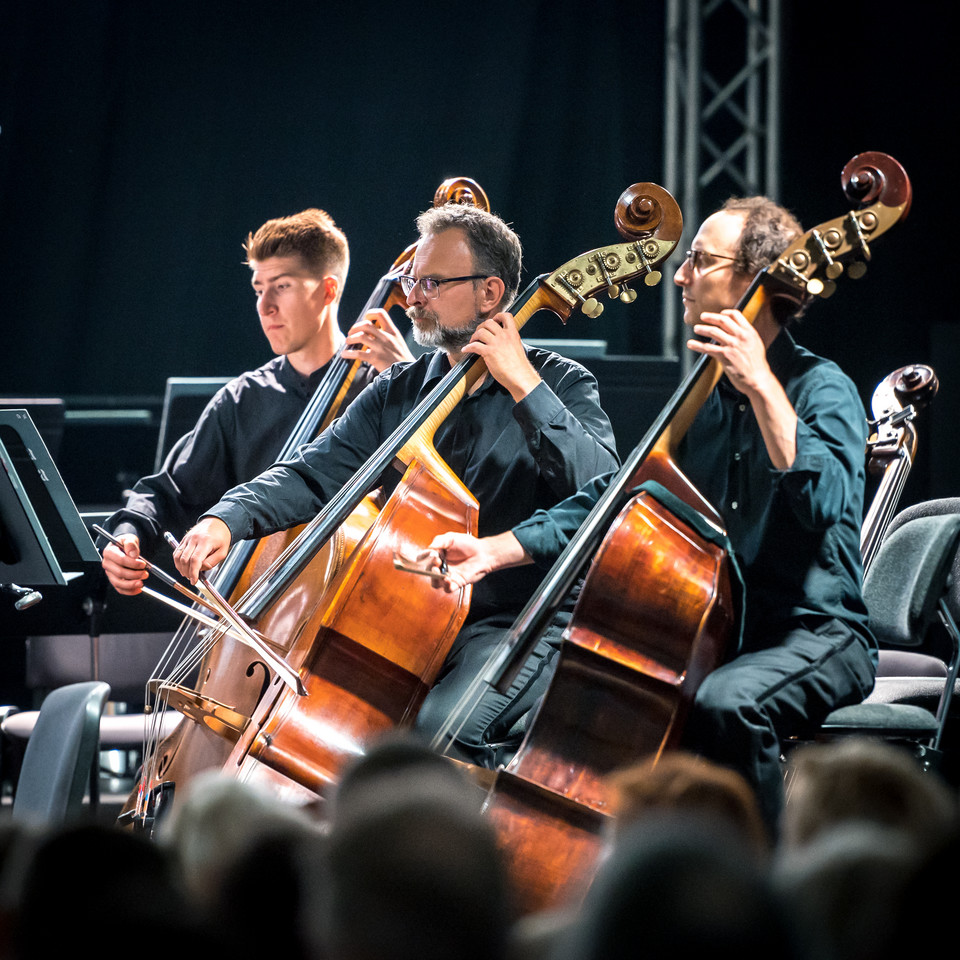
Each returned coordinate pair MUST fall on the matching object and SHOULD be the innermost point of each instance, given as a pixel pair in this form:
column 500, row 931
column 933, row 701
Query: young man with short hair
column 298, row 267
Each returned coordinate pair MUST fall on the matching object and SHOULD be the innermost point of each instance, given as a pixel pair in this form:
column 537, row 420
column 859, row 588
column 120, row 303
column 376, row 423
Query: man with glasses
column 529, row 434
column 778, row 449
column 298, row 268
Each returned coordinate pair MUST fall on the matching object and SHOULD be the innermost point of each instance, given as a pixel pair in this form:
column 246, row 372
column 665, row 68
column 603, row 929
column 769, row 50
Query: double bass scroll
column 892, row 446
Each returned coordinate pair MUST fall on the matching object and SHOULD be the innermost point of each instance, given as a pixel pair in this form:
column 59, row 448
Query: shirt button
column 736, row 456
column 742, row 407
column 734, row 505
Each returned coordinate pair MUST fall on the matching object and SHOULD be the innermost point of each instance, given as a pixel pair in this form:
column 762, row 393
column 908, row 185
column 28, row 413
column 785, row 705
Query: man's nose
column 415, row 296
column 266, row 304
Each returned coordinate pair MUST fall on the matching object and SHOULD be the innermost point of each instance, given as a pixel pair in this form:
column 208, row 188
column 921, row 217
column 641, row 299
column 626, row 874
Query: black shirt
column 513, row 457
column 239, row 434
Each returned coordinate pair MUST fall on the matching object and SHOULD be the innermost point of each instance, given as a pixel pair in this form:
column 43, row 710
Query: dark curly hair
column 768, row 229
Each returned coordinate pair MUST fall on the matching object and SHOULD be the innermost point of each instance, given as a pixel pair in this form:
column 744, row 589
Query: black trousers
column 745, row 707
column 493, row 728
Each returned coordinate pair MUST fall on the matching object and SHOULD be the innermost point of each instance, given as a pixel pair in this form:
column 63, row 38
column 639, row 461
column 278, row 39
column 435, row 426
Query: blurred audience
column 418, row 880
column 864, row 780
column 861, row 819
column 216, row 820
column 402, row 865
column 413, row 869
column 844, row 885
column 82, row 880
column 684, row 783
column 676, row 887
column 400, row 767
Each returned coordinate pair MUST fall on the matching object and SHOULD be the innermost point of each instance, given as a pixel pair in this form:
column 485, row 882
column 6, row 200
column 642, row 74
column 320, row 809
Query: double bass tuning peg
column 857, row 269
column 591, row 308
column 834, row 268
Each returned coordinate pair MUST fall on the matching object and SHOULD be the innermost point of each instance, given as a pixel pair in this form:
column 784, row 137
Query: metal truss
column 721, row 113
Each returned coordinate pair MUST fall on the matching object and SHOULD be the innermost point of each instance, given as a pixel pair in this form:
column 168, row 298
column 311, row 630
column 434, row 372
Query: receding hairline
column 494, row 246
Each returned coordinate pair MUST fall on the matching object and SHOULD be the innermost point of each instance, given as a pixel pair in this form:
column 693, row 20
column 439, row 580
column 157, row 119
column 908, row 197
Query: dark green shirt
column 796, row 532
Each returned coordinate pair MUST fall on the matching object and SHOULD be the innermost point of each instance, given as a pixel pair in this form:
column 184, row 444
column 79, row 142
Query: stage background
column 140, row 142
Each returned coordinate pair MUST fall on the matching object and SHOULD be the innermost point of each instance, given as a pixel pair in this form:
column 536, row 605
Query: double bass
column 658, row 608
column 374, row 642
column 892, row 446
column 212, row 675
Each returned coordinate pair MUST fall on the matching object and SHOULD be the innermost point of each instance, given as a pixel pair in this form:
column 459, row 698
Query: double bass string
column 242, row 631
column 194, row 641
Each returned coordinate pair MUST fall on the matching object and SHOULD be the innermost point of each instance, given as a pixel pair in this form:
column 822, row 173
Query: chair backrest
column 125, row 660
column 910, row 575
column 60, row 754
column 935, row 508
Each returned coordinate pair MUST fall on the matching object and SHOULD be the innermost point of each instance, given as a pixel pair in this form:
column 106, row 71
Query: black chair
column 124, row 661
column 897, row 665
column 61, row 762
column 912, row 592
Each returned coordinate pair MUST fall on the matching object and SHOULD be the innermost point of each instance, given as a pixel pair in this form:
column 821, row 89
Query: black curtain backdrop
column 141, row 141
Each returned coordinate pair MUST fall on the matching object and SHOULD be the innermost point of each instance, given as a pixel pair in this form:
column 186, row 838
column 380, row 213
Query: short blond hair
column 311, row 235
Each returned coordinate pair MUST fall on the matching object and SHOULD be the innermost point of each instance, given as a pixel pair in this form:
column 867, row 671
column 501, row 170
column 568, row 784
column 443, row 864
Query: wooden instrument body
column 653, row 619
column 371, row 649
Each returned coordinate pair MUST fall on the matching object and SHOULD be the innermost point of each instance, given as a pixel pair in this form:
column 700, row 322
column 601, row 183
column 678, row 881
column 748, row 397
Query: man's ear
column 490, row 292
column 331, row 289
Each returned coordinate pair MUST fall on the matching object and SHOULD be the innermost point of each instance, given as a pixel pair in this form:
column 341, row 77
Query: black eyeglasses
column 431, row 285
column 694, row 258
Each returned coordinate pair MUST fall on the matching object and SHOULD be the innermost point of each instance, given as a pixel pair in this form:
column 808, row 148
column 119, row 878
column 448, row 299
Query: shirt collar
column 295, row 381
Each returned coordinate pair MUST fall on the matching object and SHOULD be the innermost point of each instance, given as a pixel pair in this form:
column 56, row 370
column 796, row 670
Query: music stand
column 48, row 414
column 183, row 401
column 42, row 537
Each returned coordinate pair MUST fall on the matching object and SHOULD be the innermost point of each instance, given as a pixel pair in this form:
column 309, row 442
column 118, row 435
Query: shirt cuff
column 540, row 406
column 538, row 537
column 234, row 517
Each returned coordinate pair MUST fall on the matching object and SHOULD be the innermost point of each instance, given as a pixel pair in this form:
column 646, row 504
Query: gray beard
column 429, row 333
